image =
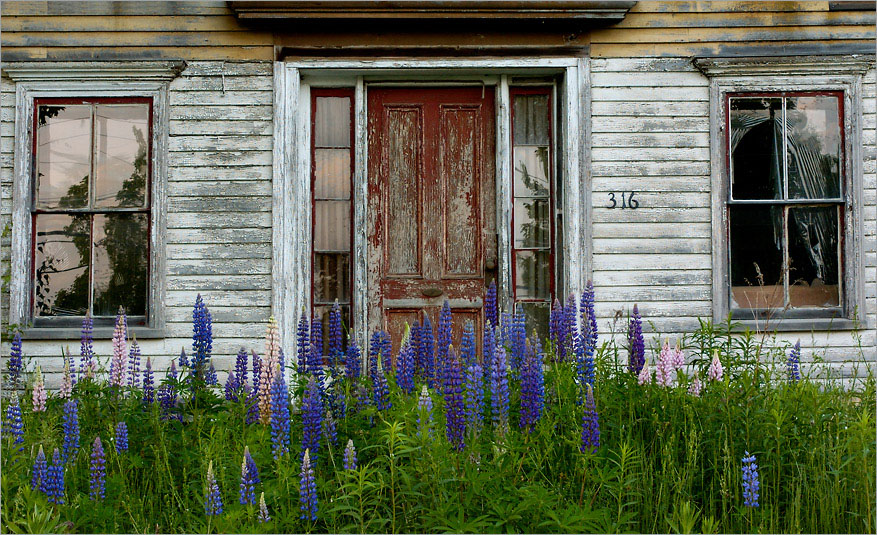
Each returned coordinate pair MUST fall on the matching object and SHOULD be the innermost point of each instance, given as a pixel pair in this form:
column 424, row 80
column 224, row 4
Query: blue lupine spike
column 569, row 328
column 794, row 362
column 474, row 397
column 468, row 346
column 555, row 328
column 336, row 337
column 315, row 362
column 13, row 425
column 240, row 369
column 308, row 489
column 353, row 362
column 382, row 391
column 454, row 407
column 97, row 471
column 532, row 387
column 40, row 474
column 71, row 430
column 636, row 344
column 350, row 456
column 202, row 338
column 312, row 416
column 590, row 424
column 134, row 364
column 427, row 346
column 279, row 419
column 750, row 481
column 499, row 390
column 212, row 495
column 386, row 351
column 405, row 373
column 490, row 306
column 55, row 474
column 15, row 364
column 303, row 342
column 148, row 383
column 121, row 437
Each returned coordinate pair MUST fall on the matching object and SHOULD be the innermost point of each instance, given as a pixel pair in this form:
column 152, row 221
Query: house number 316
column 627, row 200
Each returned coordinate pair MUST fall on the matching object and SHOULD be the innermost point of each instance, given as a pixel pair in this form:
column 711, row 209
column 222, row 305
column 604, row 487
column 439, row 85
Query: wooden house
column 702, row 159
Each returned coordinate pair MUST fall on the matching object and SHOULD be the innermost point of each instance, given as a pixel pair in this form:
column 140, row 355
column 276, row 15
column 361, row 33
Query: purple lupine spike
column 443, row 341
column 382, row 391
column 303, row 341
column 586, row 342
column 415, row 340
column 15, row 364
column 248, row 479
column 39, row 478
column 589, row 317
column 71, row 430
column 134, row 364
column 252, row 406
column 532, row 387
column 427, row 347
column 555, row 328
column 167, row 394
column 148, row 383
column 750, row 481
column 55, row 476
column 86, row 347
column 308, row 489
column 518, row 336
column 315, row 357
column 263, row 510
column 231, row 387
column 468, row 346
column 490, row 306
column 13, row 425
column 202, row 338
column 569, row 328
column 590, row 424
column 279, row 418
column 121, row 437
column 405, row 372
column 212, row 495
column 353, row 361
column 424, row 413
column 98, row 471
column 240, row 369
column 499, row 390
column 636, row 344
column 312, row 415
column 330, row 429
column 794, row 362
column 505, row 330
column 183, row 360
column 350, row 456
column 474, row 397
column 336, row 337
column 487, row 346
column 210, row 377
column 454, row 408
column 257, row 371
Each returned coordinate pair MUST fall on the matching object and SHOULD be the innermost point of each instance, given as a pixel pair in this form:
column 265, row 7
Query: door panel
column 431, row 209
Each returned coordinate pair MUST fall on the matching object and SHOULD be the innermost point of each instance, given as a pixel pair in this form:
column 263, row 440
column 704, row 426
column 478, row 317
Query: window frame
column 70, row 80
column 99, row 321
column 791, row 74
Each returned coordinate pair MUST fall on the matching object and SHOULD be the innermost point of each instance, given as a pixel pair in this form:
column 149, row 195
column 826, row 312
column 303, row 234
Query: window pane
column 332, row 226
column 122, row 166
column 120, row 263
column 537, row 319
column 531, row 172
column 814, row 256
column 331, row 277
column 756, row 148
column 61, row 261
column 332, row 122
column 532, row 225
column 63, row 156
column 757, row 256
column 814, row 147
column 531, row 120
column 532, row 275
column 332, row 174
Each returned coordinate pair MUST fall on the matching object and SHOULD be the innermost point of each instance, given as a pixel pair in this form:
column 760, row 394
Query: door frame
column 291, row 206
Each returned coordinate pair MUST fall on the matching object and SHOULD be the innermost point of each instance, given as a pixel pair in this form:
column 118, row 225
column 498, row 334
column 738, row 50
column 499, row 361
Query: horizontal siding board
column 193, row 127
column 219, row 143
column 630, row 139
column 218, row 204
column 220, row 98
column 135, row 39
column 220, row 188
column 104, row 53
column 111, row 9
column 650, row 93
column 650, row 109
column 214, row 220
column 244, row 251
column 679, row 245
column 218, row 235
column 670, row 124
column 214, row 172
column 250, row 112
column 647, row 230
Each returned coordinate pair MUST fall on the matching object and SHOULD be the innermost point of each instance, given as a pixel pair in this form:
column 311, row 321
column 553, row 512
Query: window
column 786, row 200
column 532, row 208
column 331, row 183
column 91, row 208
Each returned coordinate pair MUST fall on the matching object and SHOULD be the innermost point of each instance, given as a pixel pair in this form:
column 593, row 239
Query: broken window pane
column 61, row 261
column 332, row 122
column 331, row 277
column 814, row 256
column 120, row 263
column 122, row 155
column 532, row 225
column 756, row 256
column 532, row 275
column 756, row 148
column 531, row 120
column 814, row 147
column 332, row 173
column 531, row 171
column 63, row 156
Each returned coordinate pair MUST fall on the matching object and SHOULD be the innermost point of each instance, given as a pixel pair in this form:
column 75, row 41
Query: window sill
column 795, row 325
column 99, row 333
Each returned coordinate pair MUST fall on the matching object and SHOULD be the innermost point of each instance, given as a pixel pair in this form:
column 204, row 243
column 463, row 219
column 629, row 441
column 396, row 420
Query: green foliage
column 668, row 461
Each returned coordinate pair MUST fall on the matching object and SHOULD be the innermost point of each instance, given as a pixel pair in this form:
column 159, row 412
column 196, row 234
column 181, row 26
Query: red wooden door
column 432, row 209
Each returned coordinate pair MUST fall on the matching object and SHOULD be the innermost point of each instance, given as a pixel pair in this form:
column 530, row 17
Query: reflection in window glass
column 813, row 147
column 532, row 226
column 756, row 148
column 531, row 171
column 120, row 263
column 757, row 256
column 122, row 151
column 61, row 262
column 813, row 256
column 532, row 280
column 63, row 156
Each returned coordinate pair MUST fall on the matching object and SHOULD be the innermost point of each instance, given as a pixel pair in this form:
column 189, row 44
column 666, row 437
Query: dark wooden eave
column 557, row 12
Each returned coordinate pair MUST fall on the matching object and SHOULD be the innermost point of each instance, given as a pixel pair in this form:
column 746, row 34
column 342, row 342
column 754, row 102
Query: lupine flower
column 119, row 362
column 695, row 387
column 454, row 409
column 405, row 371
column 556, row 325
column 14, row 425
column 183, row 360
column 15, row 364
column 66, row 389
column 468, row 347
column 443, row 340
column 382, row 391
column 499, row 390
column 308, row 489
column 487, row 345
column 231, row 387
column 491, row 317
column 252, row 407
column 167, row 394
column 569, row 329
column 39, row 392
column 415, row 341
column 71, row 429
column 86, row 348
column 636, row 344
column 148, row 383
column 518, row 339
column 240, row 369
column 98, row 471
column 350, row 456
column 336, row 336
column 589, row 317
column 427, row 351
column 133, row 364
column 279, row 416
column 424, row 412
column 257, row 370
column 330, row 429
column 714, row 373
column 750, row 481
column 645, row 375
column 312, row 414
column 202, row 338
column 40, row 478
column 590, row 424
column 793, row 363
column 212, row 496
column 532, row 388
column 506, row 329
column 121, row 437
column 272, row 349
column 665, row 374
column 263, row 510
column 303, row 341
column 55, row 475
column 315, row 357
column 474, row 397
column 249, row 478
column 353, row 362
column 265, row 385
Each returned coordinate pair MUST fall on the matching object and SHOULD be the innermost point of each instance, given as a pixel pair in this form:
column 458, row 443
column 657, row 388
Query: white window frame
column 96, row 79
column 790, row 74
column 291, row 272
